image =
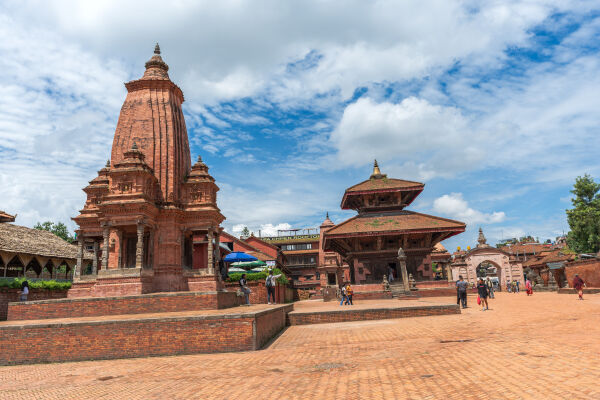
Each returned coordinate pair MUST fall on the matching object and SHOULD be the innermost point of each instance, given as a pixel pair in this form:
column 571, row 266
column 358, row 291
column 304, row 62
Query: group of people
column 485, row 289
column 346, row 294
column 270, row 283
column 512, row 286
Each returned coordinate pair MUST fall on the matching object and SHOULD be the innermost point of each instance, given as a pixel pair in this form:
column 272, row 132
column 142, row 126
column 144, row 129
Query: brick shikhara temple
column 151, row 217
column 384, row 235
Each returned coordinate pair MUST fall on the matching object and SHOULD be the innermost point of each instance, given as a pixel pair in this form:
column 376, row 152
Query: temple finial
column 157, row 49
column 327, row 215
column 134, row 146
column 107, row 163
column 377, row 172
column 199, row 159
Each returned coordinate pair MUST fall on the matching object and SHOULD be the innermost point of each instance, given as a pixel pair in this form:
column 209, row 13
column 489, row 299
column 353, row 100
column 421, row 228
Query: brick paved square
column 541, row 347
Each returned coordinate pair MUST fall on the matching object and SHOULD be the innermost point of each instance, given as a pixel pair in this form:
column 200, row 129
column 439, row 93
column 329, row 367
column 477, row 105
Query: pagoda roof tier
column 395, row 222
column 402, row 192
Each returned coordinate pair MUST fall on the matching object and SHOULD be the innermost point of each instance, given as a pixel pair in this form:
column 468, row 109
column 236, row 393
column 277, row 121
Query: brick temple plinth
column 151, row 217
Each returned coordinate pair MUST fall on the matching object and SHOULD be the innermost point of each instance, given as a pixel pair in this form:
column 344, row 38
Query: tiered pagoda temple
column 151, row 217
column 384, row 235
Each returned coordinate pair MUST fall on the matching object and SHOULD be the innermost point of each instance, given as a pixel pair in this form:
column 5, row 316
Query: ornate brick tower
column 150, row 217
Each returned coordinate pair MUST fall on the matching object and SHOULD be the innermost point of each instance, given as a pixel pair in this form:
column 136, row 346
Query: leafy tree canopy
column 59, row 229
column 584, row 217
column 245, row 232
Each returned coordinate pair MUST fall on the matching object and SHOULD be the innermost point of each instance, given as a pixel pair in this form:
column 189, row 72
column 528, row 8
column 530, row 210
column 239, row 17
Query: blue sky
column 493, row 105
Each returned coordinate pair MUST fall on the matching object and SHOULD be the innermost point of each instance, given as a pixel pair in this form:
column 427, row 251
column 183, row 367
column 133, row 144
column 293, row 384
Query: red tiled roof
column 397, row 221
column 526, row 248
column 5, row 217
column 385, row 183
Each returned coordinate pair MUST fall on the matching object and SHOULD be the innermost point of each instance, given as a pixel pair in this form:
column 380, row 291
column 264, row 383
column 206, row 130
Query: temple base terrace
column 233, row 329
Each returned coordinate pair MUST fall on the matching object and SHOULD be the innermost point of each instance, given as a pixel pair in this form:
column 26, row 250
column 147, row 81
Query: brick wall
column 98, row 306
column 56, row 341
column 270, row 323
column 374, row 295
column 324, row 317
column 12, row 295
column 588, row 270
column 259, row 292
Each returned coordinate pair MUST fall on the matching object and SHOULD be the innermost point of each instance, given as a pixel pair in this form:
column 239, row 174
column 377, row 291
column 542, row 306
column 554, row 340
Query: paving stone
column 540, row 347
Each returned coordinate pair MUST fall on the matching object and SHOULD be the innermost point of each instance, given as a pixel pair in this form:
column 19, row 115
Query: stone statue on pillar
column 402, row 263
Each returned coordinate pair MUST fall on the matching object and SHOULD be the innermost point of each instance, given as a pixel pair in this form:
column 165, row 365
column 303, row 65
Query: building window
column 317, row 275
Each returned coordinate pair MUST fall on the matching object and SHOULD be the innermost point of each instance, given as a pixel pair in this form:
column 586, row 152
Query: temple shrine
column 151, row 217
column 384, row 235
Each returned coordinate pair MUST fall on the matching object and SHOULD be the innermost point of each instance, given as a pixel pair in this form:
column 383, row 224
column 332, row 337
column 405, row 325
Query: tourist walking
column 461, row 287
column 490, row 286
column 482, row 291
column 245, row 289
column 270, row 284
column 517, row 283
column 578, row 284
column 513, row 286
column 528, row 287
column 24, row 291
column 349, row 293
column 508, row 286
column 343, row 292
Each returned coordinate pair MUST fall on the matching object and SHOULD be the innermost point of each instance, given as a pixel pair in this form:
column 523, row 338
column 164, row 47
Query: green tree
column 59, row 229
column 584, row 217
column 245, row 232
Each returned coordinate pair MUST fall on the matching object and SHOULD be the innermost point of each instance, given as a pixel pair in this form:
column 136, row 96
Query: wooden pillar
column 211, row 265
column 402, row 262
column 139, row 246
column 105, row 233
column 79, row 265
column 95, row 260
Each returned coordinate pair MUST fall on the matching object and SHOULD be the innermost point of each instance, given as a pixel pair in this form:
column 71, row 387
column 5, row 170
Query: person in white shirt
column 270, row 284
column 24, row 291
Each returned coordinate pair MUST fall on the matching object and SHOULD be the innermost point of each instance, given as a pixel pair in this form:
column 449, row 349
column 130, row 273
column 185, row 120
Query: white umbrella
column 235, row 269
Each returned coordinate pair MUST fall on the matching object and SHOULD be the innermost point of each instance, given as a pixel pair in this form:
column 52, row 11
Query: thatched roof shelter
column 35, row 245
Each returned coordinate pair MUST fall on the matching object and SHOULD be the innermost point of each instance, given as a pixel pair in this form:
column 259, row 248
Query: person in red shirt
column 578, row 284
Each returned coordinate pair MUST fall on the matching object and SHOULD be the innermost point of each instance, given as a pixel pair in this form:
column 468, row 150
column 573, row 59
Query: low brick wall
column 12, row 295
column 434, row 284
column 60, row 341
column 269, row 324
column 325, row 317
column 573, row 291
column 140, row 304
column 259, row 292
column 374, row 295
column 437, row 292
column 588, row 270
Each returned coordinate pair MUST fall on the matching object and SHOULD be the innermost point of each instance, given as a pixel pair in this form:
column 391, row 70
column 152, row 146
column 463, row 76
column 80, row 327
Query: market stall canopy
column 250, row 264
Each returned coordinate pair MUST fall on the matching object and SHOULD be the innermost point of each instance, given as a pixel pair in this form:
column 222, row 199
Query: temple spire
column 156, row 68
column 377, row 172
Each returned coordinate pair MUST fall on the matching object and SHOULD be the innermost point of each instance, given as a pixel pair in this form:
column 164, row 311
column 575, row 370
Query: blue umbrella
column 239, row 256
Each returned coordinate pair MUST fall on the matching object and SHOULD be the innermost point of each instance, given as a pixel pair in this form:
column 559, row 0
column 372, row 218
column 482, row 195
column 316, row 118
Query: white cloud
column 453, row 205
column 427, row 139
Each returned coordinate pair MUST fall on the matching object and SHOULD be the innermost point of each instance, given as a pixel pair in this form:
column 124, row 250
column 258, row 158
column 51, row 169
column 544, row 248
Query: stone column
column 105, row 234
column 79, row 265
column 139, row 246
column 95, row 260
column 211, row 266
column 449, row 272
column 402, row 263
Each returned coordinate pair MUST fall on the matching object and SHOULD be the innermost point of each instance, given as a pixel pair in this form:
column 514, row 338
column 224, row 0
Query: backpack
column 269, row 282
